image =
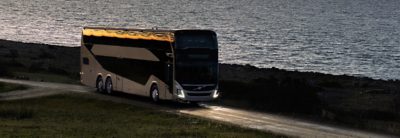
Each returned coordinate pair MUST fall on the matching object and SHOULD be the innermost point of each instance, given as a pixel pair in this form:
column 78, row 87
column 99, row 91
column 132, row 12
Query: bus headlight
column 215, row 94
column 180, row 93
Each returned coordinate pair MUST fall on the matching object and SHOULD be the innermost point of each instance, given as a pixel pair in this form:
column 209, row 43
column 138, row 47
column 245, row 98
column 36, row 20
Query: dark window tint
column 135, row 70
column 85, row 61
column 201, row 39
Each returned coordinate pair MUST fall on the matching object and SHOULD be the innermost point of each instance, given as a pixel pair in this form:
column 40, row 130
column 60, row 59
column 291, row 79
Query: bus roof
column 144, row 34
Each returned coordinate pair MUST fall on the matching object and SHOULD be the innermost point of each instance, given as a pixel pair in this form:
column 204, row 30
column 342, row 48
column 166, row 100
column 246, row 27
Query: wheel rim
column 154, row 94
column 109, row 87
column 100, row 85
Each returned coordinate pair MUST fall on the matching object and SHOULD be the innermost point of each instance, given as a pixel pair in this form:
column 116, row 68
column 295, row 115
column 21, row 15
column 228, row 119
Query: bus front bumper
column 196, row 96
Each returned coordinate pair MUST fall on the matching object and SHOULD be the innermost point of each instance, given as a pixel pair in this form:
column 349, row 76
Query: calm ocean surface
column 355, row 37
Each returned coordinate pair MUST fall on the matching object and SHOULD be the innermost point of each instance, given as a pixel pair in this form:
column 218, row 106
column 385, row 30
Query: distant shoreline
column 10, row 44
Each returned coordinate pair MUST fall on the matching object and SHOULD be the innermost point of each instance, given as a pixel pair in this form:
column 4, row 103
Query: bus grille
column 199, row 94
column 197, row 88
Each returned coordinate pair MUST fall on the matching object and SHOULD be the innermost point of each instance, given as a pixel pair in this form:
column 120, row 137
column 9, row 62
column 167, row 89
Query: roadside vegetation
column 337, row 99
column 44, row 76
column 39, row 62
column 77, row 115
column 20, row 72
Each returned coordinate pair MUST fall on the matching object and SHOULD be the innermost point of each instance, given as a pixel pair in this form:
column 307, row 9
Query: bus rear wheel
column 99, row 85
column 154, row 93
column 109, row 86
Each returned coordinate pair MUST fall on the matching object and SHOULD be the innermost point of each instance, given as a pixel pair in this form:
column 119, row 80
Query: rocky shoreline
column 353, row 101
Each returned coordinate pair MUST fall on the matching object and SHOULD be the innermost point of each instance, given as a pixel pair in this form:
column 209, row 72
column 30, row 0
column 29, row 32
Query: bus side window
column 85, row 61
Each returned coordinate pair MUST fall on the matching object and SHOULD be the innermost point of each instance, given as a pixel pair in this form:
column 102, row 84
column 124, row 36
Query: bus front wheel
column 154, row 93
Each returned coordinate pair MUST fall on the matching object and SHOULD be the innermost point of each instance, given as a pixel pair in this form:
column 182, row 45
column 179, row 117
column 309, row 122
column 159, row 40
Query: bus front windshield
column 196, row 59
column 193, row 68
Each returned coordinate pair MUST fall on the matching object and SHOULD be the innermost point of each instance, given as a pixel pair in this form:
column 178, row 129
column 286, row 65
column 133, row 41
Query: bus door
column 168, row 69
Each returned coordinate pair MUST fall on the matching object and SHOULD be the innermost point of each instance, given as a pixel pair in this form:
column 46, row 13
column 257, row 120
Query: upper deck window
column 196, row 40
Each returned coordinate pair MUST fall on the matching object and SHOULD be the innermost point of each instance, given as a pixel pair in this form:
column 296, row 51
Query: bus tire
column 99, row 84
column 154, row 93
column 109, row 86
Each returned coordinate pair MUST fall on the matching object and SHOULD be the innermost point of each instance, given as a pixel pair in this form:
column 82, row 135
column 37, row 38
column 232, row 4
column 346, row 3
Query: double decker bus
column 161, row 64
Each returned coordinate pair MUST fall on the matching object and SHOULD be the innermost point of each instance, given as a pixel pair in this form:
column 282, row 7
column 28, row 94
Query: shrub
column 330, row 84
column 58, row 71
column 37, row 66
column 46, row 55
column 13, row 54
column 4, row 71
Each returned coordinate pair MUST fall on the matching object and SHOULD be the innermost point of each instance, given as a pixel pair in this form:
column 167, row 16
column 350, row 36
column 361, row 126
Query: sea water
column 354, row 37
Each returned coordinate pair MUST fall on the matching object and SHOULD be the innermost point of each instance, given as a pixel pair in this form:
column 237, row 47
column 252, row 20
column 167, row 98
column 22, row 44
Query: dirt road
column 255, row 120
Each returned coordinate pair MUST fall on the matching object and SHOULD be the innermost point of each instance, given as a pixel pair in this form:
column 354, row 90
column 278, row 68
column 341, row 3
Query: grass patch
column 74, row 115
column 37, row 73
column 16, row 112
column 6, row 87
column 47, row 77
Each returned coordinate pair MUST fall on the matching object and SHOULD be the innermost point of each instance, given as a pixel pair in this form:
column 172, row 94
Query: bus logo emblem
column 198, row 88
